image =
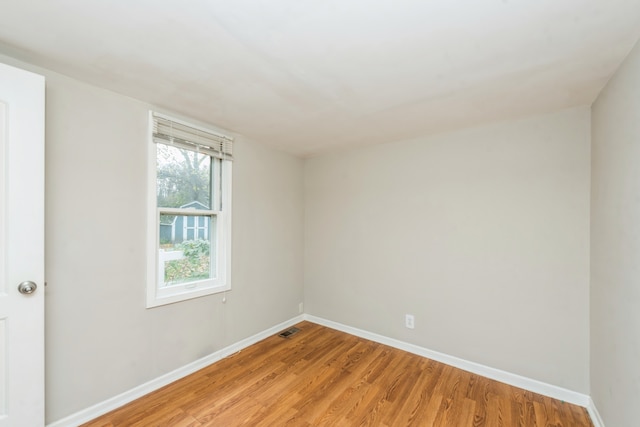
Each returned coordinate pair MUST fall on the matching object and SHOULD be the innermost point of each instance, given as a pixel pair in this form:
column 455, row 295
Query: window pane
column 183, row 178
column 185, row 248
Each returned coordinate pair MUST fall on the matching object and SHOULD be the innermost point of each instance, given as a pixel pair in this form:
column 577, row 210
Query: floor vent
column 288, row 332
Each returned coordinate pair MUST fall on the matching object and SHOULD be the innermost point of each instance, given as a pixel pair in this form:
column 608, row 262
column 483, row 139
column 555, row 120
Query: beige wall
column 100, row 338
column 482, row 234
column 615, row 251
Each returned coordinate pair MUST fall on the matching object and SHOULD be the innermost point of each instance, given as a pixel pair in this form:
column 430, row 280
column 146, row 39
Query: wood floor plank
column 580, row 415
column 422, row 403
column 346, row 399
column 323, row 377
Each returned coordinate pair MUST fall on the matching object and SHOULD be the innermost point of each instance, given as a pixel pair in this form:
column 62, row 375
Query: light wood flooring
column 322, row 377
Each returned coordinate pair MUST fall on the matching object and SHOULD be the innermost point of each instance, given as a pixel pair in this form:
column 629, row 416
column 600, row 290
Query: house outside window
column 189, row 212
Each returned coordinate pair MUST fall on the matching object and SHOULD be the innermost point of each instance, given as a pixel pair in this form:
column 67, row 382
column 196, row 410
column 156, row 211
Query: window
column 189, row 232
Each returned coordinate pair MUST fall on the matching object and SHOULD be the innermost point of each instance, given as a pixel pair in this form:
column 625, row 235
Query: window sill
column 183, row 294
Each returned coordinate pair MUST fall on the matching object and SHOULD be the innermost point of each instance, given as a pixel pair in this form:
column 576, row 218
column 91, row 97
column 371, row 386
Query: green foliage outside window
column 194, row 266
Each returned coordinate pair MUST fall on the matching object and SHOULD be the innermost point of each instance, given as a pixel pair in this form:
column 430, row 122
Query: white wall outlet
column 301, row 308
column 409, row 321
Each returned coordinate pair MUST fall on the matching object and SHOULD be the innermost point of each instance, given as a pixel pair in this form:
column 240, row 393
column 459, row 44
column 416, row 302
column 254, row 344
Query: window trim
column 222, row 283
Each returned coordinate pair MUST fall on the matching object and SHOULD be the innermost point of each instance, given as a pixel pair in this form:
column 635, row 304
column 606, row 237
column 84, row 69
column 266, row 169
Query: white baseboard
column 476, row 368
column 596, row 419
column 102, row 408
column 535, row 386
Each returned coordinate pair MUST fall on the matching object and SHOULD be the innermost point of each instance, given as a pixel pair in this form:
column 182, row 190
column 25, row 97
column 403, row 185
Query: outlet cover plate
column 409, row 321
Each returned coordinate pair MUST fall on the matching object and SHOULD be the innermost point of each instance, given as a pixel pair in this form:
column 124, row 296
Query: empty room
column 269, row 213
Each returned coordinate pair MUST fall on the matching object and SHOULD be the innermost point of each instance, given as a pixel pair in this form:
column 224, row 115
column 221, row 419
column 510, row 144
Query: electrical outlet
column 409, row 321
column 301, row 308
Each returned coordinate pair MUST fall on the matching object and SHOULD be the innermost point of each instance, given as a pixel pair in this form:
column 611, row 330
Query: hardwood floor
column 322, row 377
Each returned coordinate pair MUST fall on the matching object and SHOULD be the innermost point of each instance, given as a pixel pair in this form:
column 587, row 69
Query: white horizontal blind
column 170, row 132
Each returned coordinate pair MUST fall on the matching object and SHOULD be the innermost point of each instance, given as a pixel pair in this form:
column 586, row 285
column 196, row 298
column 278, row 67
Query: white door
column 21, row 248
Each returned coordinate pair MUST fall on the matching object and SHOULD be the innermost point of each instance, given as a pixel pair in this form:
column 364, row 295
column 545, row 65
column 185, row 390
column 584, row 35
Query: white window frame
column 158, row 295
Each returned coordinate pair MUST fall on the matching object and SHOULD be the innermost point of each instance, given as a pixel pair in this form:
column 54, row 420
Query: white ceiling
column 308, row 76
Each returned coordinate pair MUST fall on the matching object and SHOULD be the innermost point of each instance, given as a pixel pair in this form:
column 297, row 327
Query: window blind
column 181, row 135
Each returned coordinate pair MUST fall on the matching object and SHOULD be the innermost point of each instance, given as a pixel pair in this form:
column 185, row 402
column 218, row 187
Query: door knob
column 27, row 287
